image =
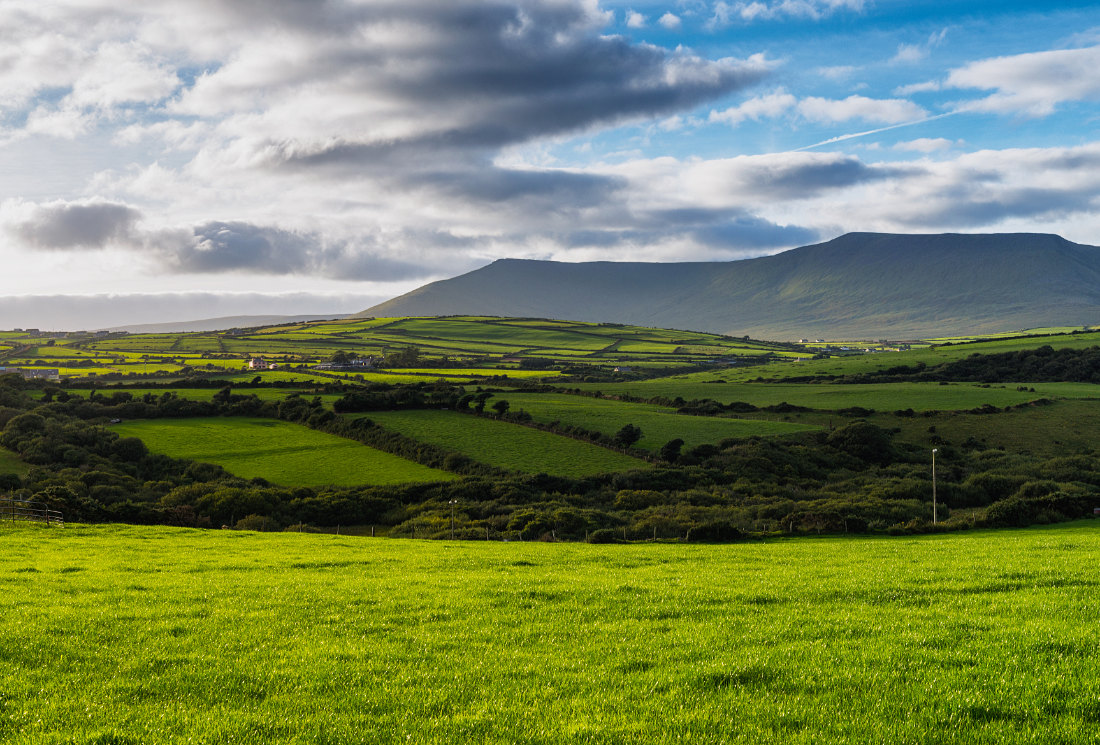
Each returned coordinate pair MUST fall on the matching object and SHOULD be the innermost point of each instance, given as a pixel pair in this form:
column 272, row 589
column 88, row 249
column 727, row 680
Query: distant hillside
column 860, row 285
column 220, row 324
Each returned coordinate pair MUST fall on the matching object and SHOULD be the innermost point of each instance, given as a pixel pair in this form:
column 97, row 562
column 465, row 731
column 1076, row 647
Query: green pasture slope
column 659, row 424
column 878, row 396
column 115, row 634
column 281, row 452
column 506, row 445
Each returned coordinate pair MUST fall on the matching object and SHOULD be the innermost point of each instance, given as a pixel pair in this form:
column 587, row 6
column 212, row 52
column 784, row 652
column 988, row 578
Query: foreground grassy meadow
column 115, row 634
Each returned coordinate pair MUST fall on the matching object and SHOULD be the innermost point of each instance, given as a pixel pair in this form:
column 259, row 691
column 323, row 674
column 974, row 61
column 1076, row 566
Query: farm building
column 38, row 373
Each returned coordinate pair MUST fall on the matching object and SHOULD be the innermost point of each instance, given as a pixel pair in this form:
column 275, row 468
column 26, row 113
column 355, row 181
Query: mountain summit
column 860, row 285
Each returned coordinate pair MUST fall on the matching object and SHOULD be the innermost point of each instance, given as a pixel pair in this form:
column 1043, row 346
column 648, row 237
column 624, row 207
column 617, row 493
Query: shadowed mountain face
column 860, row 285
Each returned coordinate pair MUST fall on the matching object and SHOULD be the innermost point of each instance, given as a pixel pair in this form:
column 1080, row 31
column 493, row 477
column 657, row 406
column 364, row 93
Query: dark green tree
column 627, row 436
column 670, row 451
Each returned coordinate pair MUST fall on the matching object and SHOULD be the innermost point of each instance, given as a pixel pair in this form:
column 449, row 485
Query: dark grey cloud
column 966, row 206
column 726, row 230
column 74, row 225
column 228, row 246
column 803, row 179
column 245, row 247
column 231, row 246
column 748, row 233
column 482, row 74
column 560, row 189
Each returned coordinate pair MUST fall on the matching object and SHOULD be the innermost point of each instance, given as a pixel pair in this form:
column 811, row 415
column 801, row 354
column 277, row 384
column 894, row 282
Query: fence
column 18, row 510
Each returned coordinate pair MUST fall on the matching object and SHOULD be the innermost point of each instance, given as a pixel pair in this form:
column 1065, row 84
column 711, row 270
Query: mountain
column 860, row 285
column 220, row 324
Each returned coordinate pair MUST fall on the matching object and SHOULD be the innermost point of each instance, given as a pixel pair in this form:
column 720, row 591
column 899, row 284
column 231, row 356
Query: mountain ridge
column 859, row 285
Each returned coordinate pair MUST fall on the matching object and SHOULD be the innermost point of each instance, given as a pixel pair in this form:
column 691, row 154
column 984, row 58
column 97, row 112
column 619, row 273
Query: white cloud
column 882, row 111
column 908, row 53
column 670, row 21
column 635, row 19
column 770, row 106
column 780, row 103
column 925, row 87
column 725, row 13
column 1034, row 84
column 837, row 72
column 671, row 124
column 925, row 145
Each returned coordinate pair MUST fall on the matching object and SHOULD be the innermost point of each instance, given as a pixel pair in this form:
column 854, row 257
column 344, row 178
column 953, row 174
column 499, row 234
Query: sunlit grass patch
column 128, row 634
column 506, row 445
column 280, row 452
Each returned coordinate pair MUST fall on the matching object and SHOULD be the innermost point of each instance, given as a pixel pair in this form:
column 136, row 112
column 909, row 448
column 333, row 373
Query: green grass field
column 12, row 463
column 281, row 452
column 879, row 396
column 658, row 424
column 506, row 445
column 116, row 634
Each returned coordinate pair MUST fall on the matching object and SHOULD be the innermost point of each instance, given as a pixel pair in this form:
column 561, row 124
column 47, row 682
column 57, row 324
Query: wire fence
column 20, row 510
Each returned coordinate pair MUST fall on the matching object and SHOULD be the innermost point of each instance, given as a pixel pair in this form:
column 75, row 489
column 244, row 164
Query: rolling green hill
column 860, row 285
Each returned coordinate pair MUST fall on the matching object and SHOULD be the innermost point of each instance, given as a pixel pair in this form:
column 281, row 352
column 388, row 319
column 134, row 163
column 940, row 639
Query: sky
column 197, row 158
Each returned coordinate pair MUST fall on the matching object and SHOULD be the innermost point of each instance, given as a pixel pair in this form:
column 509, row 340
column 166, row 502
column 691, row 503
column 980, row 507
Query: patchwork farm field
column 280, row 452
column 659, row 424
column 119, row 634
column 506, row 445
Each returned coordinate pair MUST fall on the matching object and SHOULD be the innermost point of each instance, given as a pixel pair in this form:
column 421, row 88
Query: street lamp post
column 934, row 451
column 453, row 502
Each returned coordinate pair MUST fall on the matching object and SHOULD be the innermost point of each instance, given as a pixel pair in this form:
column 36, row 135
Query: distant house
column 257, row 363
column 355, row 363
column 273, row 366
column 41, row 373
column 623, row 369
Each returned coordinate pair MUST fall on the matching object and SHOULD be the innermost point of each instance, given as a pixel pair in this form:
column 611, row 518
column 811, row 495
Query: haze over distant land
column 130, row 312
column 185, row 160
column 858, row 286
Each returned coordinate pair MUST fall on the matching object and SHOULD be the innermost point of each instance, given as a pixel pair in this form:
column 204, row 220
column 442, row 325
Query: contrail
column 841, row 138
